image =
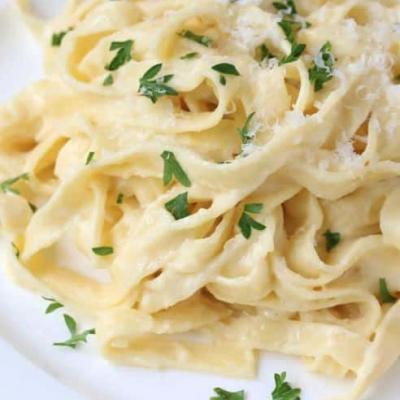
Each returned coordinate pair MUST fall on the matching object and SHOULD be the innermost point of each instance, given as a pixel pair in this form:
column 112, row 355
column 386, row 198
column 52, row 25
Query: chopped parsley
column 178, row 207
column 246, row 134
column 90, row 157
column 225, row 395
column 287, row 7
column 120, row 198
column 322, row 71
column 53, row 306
column 200, row 39
column 226, row 69
column 16, row 250
column 58, row 37
column 108, row 81
column 289, row 29
column 7, row 185
column 263, row 53
column 190, row 56
column 247, row 223
column 156, row 88
column 103, row 251
column 32, row 207
column 297, row 49
column 384, row 293
column 172, row 169
column 332, row 239
column 283, row 390
column 123, row 54
column 76, row 338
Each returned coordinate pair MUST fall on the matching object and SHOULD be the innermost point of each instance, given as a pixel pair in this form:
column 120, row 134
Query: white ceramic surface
column 31, row 368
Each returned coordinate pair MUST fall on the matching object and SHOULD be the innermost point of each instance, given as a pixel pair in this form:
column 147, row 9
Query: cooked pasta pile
column 208, row 179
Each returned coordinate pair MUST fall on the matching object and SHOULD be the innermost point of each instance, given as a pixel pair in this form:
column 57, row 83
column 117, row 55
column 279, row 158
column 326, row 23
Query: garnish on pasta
column 178, row 207
column 172, row 169
column 76, row 338
column 153, row 87
column 322, row 71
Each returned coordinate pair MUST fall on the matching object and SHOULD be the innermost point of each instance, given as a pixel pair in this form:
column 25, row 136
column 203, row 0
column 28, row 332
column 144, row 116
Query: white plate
column 30, row 367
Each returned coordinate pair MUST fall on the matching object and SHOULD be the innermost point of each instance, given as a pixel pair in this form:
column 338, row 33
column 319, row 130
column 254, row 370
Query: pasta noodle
column 276, row 238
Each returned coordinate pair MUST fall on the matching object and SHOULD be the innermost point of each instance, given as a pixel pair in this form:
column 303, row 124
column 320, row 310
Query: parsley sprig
column 384, row 293
column 190, row 56
column 7, row 185
column 297, row 49
column 246, row 134
column 172, row 169
column 200, row 39
column 322, row 71
column 287, row 7
column 53, row 306
column 120, row 198
column 283, row 390
column 76, row 338
column 225, row 69
column 123, row 55
column 332, row 239
column 247, row 223
column 263, row 53
column 17, row 251
column 103, row 251
column 225, row 395
column 58, row 37
column 90, row 157
column 155, row 88
column 178, row 207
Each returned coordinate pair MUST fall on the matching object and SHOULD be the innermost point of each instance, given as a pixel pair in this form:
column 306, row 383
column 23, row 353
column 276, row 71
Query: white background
column 30, row 367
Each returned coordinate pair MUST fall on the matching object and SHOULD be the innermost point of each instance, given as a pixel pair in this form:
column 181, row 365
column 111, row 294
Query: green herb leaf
column 322, row 71
column 295, row 53
column 32, row 207
column 120, row 198
column 222, row 80
column 247, row 223
column 225, row 395
column 263, row 53
column 16, row 250
column 53, row 306
column 226, row 69
column 156, row 88
column 75, row 339
column 123, row 54
column 283, row 390
column 254, row 208
column 103, row 251
column 173, row 168
column 190, row 56
column 178, row 207
column 152, row 72
column 108, row 81
column 332, row 239
column 90, row 157
column 384, row 293
column 200, row 39
column 289, row 29
column 287, row 7
column 58, row 37
column 7, row 185
column 246, row 134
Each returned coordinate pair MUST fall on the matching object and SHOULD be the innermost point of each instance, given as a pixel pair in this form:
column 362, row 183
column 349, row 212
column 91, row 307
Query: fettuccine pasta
column 205, row 179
